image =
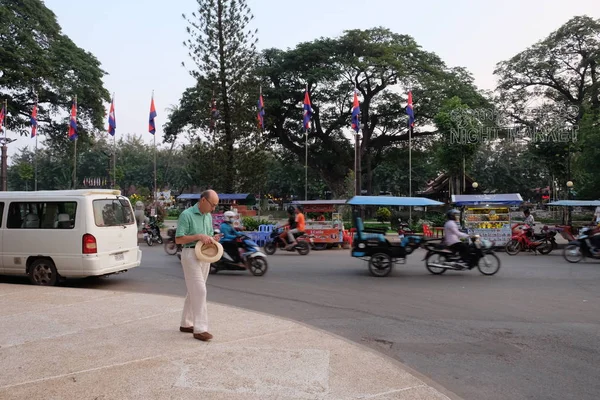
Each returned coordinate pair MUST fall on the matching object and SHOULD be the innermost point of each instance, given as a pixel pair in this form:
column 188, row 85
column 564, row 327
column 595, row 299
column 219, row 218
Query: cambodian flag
column 34, row 120
column 410, row 112
column 151, row 125
column 355, row 113
column 307, row 111
column 2, row 114
column 73, row 122
column 112, row 121
column 261, row 112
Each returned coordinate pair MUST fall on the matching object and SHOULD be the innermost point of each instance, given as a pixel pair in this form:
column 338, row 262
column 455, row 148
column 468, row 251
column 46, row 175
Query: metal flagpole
column 410, row 170
column 35, row 163
column 155, row 199
column 74, row 155
column 306, row 156
column 114, row 185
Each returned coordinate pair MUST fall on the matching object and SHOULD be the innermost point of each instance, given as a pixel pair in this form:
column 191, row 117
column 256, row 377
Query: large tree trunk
column 229, row 170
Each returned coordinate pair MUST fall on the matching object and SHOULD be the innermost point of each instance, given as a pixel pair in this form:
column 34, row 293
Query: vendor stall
column 322, row 222
column 488, row 215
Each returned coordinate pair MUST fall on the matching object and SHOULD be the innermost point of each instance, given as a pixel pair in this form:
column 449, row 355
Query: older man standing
column 195, row 225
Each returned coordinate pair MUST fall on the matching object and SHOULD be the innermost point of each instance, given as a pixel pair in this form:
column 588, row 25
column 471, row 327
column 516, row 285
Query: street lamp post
column 569, row 197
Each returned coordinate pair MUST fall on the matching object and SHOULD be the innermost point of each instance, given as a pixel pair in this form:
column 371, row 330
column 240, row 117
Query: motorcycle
column 480, row 255
column 525, row 239
column 580, row 248
column 248, row 257
column 151, row 233
column 302, row 243
column 172, row 248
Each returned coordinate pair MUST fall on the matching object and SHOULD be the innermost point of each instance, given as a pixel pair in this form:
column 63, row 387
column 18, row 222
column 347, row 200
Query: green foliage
column 455, row 122
column 36, row 57
column 174, row 212
column 223, row 51
column 383, row 214
column 252, row 224
column 551, row 89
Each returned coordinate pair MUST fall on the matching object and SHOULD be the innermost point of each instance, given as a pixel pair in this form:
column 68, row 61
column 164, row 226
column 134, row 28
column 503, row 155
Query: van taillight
column 89, row 244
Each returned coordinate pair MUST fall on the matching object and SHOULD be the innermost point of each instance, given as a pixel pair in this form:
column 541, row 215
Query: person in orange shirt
column 300, row 223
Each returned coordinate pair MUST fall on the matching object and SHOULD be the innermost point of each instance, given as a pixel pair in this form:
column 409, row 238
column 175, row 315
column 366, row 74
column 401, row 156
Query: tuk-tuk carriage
column 371, row 244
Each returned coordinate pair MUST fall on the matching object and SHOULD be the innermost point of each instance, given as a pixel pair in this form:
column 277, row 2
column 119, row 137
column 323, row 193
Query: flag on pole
column 151, row 125
column 73, row 121
column 410, row 112
column 2, row 115
column 34, row 120
column 355, row 113
column 261, row 112
column 307, row 111
column 112, row 121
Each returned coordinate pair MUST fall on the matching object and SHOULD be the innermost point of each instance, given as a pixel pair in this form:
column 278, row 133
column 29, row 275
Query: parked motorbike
column 524, row 239
column 239, row 255
column 151, row 233
column 302, row 243
column 580, row 249
column 172, row 248
column 439, row 258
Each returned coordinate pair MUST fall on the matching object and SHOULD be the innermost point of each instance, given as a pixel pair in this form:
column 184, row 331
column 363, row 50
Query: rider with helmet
column 229, row 235
column 452, row 235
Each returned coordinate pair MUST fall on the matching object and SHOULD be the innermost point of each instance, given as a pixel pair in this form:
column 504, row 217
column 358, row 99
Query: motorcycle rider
column 291, row 223
column 229, row 235
column 452, row 235
column 300, row 223
column 529, row 221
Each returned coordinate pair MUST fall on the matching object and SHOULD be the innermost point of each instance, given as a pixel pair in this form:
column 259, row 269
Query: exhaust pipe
column 446, row 266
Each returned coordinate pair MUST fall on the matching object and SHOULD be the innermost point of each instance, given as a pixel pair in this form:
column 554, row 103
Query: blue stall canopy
column 510, row 199
column 189, row 196
column 234, row 196
column 575, row 203
column 392, row 201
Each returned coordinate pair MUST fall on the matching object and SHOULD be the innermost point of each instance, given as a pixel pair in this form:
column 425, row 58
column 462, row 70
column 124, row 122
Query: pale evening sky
column 139, row 43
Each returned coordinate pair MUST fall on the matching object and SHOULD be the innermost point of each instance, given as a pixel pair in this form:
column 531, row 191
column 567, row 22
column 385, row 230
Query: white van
column 67, row 233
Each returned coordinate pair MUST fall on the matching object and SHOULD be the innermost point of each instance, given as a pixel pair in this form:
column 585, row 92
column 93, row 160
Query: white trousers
column 194, row 309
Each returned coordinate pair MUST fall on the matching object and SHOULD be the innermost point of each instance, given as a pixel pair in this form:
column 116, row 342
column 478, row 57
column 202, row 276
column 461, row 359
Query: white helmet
column 229, row 216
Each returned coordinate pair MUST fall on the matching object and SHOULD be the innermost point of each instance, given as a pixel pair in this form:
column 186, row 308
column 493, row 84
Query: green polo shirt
column 193, row 222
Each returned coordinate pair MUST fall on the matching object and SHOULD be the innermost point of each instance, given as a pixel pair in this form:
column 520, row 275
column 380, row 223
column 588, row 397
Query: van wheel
column 43, row 272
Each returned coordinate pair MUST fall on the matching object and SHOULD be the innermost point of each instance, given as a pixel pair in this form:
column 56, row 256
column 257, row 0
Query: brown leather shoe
column 204, row 336
column 186, row 330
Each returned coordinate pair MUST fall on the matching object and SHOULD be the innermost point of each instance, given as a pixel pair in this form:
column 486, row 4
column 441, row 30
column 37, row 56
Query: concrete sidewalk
column 65, row 343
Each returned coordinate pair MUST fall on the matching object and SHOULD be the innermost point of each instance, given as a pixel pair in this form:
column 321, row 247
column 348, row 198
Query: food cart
column 327, row 232
column 488, row 215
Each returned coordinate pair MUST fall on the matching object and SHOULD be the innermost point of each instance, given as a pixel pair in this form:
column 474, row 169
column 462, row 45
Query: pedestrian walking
column 195, row 229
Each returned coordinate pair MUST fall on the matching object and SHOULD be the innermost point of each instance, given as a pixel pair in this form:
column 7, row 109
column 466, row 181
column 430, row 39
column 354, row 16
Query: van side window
column 1, row 213
column 41, row 215
column 111, row 212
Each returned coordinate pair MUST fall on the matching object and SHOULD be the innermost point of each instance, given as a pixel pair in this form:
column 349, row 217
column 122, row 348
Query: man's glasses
column 211, row 204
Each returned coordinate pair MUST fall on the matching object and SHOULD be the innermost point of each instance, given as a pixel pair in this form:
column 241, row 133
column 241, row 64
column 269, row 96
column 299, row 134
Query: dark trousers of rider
column 462, row 249
column 231, row 248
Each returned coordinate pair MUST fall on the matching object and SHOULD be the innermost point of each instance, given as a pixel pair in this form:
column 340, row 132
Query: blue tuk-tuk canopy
column 392, row 201
column 510, row 199
column 575, row 203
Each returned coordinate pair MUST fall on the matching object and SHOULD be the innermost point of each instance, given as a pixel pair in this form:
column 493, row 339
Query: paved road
column 530, row 332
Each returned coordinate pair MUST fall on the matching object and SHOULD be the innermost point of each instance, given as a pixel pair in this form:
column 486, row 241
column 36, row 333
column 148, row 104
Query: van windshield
column 112, row 212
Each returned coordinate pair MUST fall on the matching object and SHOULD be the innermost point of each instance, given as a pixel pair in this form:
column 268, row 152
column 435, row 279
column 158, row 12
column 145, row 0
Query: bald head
column 208, row 201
